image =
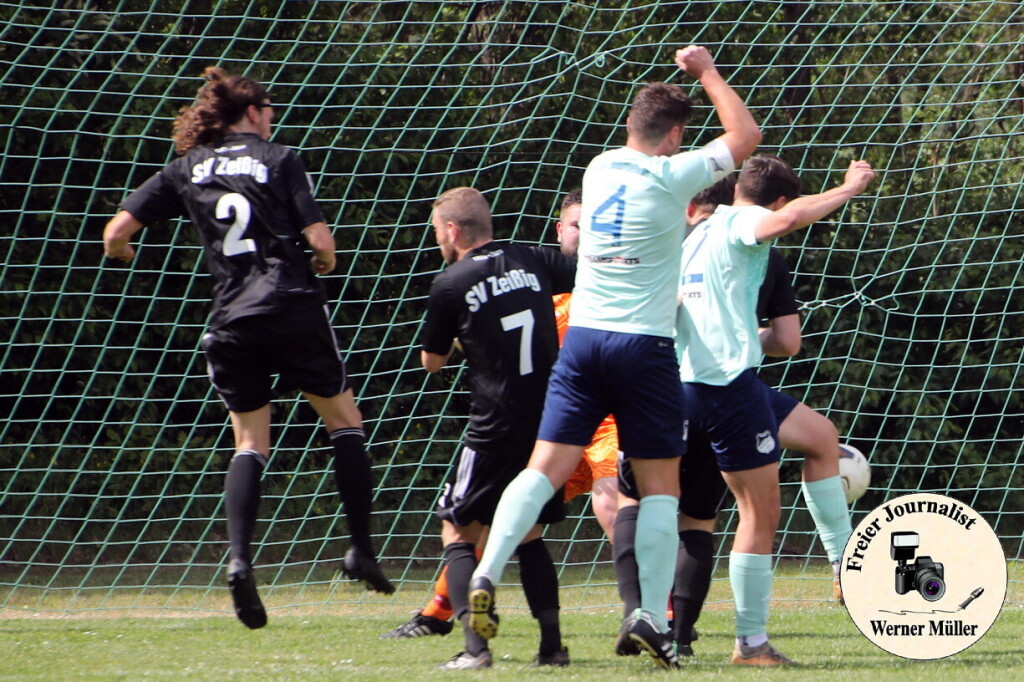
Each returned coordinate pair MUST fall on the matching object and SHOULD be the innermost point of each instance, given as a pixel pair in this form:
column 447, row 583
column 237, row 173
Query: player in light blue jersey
column 728, row 407
column 618, row 355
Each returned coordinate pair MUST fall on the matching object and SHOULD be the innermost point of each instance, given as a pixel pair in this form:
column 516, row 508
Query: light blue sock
column 751, row 578
column 517, row 512
column 656, row 546
column 827, row 504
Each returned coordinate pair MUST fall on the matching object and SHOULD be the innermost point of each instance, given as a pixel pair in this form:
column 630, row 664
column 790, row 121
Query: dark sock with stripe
column 354, row 478
column 627, row 573
column 242, row 501
column 694, row 566
column 540, row 585
column 460, row 558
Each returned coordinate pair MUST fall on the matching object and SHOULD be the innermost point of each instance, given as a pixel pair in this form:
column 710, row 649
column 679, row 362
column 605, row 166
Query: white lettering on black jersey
column 497, row 301
column 249, row 199
column 223, row 165
column 496, row 285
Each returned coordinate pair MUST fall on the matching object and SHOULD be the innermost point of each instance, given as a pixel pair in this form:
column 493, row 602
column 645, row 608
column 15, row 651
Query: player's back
column 506, row 325
column 631, row 228
column 249, row 199
column 723, row 267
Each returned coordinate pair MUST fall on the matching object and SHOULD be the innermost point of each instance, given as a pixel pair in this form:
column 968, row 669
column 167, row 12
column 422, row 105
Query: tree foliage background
column 113, row 445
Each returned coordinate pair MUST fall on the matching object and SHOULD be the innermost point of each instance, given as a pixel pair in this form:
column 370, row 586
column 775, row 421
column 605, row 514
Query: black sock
column 694, row 566
column 627, row 573
column 242, row 501
column 460, row 558
column 354, row 479
column 540, row 585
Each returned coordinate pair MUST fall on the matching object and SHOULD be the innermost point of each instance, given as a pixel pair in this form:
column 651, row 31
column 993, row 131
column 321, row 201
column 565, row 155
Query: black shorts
column 243, row 356
column 475, row 485
column 702, row 490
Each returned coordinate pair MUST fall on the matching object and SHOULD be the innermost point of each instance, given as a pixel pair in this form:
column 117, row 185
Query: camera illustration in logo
column 924, row 575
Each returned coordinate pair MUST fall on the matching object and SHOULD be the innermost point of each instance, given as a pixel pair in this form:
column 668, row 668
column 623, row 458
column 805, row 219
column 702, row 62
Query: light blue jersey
column 632, row 224
column 722, row 269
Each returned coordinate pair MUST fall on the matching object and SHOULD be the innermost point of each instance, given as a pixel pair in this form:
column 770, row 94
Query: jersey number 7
column 522, row 320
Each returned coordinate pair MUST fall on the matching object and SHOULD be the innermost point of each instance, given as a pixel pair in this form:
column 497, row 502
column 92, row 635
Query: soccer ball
column 854, row 471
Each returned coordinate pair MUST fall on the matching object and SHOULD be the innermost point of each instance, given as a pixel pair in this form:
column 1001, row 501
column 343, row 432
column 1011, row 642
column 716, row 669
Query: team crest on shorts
column 765, row 442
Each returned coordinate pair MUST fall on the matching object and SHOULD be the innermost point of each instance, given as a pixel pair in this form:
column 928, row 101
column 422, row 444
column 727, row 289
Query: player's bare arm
column 781, row 338
column 807, row 210
column 117, row 236
column 433, row 362
column 742, row 134
column 322, row 242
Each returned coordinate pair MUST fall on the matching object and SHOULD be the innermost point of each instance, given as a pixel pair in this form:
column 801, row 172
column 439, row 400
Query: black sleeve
column 560, row 267
column 441, row 325
column 776, row 297
column 157, row 199
column 303, row 207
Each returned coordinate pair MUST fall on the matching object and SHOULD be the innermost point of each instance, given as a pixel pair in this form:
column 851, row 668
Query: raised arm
column 742, row 134
column 117, row 236
column 322, row 242
column 806, row 210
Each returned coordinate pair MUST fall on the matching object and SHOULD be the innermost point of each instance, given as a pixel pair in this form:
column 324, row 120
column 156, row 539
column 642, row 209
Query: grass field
column 339, row 640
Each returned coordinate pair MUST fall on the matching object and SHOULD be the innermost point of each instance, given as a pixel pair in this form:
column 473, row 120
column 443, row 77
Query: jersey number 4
column 608, row 216
column 235, row 207
column 522, row 320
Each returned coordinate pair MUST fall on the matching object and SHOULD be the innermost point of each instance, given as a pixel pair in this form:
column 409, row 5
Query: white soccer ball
column 854, row 471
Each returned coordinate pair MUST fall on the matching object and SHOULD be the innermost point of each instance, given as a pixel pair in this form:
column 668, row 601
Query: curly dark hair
column 718, row 194
column 220, row 103
column 656, row 108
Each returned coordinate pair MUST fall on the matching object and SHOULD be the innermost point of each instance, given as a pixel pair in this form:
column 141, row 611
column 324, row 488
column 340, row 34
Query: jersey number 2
column 522, row 320
column 235, row 206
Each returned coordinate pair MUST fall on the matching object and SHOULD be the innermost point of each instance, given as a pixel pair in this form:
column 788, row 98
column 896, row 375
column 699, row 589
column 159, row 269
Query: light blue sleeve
column 686, row 174
column 743, row 224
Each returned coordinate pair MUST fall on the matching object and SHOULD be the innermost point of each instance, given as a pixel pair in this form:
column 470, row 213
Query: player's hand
column 695, row 60
column 122, row 252
column 858, row 176
column 322, row 266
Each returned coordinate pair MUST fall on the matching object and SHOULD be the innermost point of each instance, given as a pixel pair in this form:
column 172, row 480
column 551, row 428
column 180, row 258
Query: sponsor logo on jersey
column 619, row 260
column 691, row 287
column 225, row 165
column 494, row 286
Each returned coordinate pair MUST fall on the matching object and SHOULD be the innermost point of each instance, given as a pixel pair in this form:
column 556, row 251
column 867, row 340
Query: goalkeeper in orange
column 596, row 472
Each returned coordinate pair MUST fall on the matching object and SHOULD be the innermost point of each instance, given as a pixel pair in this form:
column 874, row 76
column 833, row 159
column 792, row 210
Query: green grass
column 821, row 638
column 330, row 629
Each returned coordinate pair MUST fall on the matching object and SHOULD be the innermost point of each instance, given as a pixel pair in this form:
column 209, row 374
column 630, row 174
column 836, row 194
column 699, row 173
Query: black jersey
column 249, row 199
column 776, row 297
column 497, row 301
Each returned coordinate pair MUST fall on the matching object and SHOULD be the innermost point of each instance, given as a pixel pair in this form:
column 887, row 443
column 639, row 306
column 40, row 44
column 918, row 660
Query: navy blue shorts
column 243, row 356
column 702, row 490
column 781, row 404
column 738, row 421
column 632, row 376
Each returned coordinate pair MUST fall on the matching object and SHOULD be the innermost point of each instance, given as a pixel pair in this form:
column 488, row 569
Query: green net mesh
column 112, row 444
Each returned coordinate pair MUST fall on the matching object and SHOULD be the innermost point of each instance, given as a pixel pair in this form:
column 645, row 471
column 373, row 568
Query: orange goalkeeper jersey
column 601, row 458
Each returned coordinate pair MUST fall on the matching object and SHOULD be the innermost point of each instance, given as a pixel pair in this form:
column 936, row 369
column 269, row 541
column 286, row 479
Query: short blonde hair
column 467, row 208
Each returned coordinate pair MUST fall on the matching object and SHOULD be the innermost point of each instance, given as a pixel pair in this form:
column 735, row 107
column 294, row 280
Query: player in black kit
column 252, row 203
column 496, row 300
